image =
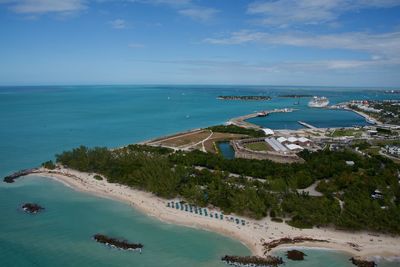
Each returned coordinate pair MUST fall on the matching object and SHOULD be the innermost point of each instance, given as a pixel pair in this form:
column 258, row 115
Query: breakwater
column 252, row 261
column 241, row 121
column 113, row 242
column 11, row 178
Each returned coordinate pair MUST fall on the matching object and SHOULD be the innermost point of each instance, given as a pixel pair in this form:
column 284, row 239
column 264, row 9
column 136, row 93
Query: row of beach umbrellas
column 202, row 211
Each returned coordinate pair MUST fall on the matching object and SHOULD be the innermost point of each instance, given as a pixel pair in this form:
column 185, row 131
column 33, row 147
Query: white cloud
column 286, row 13
column 384, row 45
column 47, row 6
column 202, row 14
column 118, row 24
column 185, row 8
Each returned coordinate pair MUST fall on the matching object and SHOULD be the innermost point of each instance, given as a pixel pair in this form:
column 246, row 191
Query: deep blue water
column 37, row 122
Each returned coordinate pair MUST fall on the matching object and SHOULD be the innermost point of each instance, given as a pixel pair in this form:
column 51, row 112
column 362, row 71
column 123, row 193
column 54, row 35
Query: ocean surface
column 38, row 122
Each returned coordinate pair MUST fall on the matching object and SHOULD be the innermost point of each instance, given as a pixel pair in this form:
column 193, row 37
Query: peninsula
column 334, row 197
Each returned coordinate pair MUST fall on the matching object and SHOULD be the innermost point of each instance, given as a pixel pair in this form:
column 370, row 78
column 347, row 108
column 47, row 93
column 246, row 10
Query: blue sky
column 279, row 42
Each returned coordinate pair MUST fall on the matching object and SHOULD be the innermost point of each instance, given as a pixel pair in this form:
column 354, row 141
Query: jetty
column 362, row 263
column 305, row 124
column 241, row 121
column 11, row 178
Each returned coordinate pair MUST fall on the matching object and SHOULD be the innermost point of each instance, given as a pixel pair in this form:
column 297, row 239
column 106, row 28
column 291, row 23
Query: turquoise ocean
column 38, row 122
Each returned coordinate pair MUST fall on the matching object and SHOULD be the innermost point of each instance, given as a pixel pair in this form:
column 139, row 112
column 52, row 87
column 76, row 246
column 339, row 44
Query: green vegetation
column 98, row 177
column 170, row 174
column 261, row 146
column 49, row 165
column 236, row 130
column 346, row 132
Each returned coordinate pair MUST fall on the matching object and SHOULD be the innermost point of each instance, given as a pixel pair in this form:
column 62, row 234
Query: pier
column 305, row 124
column 241, row 121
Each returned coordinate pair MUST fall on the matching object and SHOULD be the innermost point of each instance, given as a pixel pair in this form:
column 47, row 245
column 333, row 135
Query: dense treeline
column 169, row 174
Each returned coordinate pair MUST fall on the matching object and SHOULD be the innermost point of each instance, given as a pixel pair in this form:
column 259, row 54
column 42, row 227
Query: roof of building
column 292, row 139
column 281, row 139
column 276, row 145
column 294, row 147
column 303, row 140
column 268, row 131
column 350, row 162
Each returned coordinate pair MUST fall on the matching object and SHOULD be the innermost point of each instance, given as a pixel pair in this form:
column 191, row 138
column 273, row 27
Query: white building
column 268, row 131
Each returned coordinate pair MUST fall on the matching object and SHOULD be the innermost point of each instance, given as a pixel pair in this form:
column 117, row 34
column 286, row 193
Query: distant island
column 295, row 96
column 244, row 98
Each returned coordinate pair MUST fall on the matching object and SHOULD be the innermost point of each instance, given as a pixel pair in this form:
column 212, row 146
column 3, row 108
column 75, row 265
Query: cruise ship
column 318, row 102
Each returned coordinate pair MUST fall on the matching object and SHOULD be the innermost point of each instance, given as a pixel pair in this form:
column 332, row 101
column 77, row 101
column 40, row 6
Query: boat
column 262, row 114
column 318, row 102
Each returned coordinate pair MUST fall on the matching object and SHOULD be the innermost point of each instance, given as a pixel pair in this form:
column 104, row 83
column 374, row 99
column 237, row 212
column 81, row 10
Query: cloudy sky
column 269, row 42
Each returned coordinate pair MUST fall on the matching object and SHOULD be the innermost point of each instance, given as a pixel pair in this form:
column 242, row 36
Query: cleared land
column 203, row 140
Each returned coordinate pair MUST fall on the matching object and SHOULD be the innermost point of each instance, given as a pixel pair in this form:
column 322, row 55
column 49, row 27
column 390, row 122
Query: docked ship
column 318, row 102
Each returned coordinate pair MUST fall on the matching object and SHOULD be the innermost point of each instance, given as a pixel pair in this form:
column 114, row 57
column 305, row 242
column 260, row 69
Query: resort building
column 393, row 150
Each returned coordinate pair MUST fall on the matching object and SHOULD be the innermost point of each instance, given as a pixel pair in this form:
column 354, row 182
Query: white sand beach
column 253, row 234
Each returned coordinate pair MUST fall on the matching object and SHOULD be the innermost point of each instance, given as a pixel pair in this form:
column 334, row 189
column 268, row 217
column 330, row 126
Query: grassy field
column 346, row 132
column 189, row 139
column 261, row 146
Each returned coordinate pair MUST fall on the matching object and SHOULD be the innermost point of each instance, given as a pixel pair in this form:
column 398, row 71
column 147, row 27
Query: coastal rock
column 253, row 261
column 295, row 255
column 32, row 208
column 113, row 242
column 286, row 240
column 362, row 263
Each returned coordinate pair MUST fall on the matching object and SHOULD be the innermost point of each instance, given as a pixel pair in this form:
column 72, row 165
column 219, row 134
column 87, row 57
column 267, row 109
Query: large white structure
column 268, row 131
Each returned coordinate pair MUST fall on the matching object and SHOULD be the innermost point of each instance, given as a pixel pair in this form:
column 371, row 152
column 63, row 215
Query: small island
column 121, row 244
column 245, row 98
column 252, row 261
column 32, row 208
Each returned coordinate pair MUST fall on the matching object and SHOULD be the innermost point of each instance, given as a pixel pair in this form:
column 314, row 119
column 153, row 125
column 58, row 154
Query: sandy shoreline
column 254, row 234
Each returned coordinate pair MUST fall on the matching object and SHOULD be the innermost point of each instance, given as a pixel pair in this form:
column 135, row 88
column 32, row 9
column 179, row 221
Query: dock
column 241, row 121
column 305, row 124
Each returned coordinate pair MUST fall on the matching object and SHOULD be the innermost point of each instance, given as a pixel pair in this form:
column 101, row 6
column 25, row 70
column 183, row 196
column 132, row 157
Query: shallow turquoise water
column 37, row 122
